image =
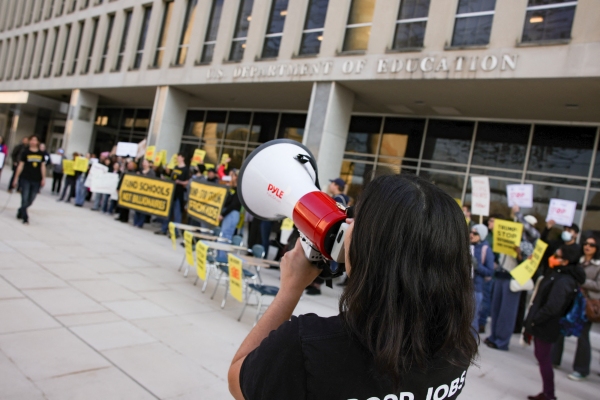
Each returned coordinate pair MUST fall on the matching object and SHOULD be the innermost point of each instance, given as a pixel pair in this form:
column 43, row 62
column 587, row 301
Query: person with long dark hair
column 404, row 327
column 31, row 175
column 590, row 262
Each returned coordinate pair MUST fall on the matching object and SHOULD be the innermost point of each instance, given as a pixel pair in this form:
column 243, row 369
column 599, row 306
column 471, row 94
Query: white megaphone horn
column 279, row 180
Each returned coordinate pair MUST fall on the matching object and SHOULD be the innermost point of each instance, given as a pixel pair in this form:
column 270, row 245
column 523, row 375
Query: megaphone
column 279, row 179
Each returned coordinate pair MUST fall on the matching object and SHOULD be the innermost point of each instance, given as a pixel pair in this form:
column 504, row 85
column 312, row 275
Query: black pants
column 56, row 182
column 70, row 186
column 12, row 178
column 123, row 214
column 583, row 354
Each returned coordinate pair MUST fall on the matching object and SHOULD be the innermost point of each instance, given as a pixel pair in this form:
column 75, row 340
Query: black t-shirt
column 32, row 168
column 311, row 357
column 181, row 174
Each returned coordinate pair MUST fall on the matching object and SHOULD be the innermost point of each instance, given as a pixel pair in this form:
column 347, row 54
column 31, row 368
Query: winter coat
column 591, row 287
column 485, row 268
column 554, row 298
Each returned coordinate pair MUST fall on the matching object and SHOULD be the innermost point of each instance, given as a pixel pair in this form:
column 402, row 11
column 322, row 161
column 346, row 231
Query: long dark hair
column 409, row 297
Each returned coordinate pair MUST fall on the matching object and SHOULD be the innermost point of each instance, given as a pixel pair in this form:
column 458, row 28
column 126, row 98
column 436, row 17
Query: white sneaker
column 576, row 376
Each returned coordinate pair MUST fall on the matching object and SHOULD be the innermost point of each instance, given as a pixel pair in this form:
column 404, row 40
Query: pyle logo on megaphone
column 275, row 192
column 289, row 172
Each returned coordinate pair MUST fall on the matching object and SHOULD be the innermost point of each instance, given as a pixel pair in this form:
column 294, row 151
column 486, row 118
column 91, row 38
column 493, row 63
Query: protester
column 45, row 153
column 138, row 217
column 484, row 258
column 552, row 301
column 3, row 150
column 405, row 316
column 69, row 184
column 181, row 176
column 467, row 213
column 80, row 189
column 505, row 302
column 101, row 198
column 16, row 158
column 590, row 262
column 568, row 237
column 131, row 168
column 488, row 283
column 57, row 173
column 211, row 175
column 230, row 213
column 31, row 173
column 222, row 168
column 109, row 204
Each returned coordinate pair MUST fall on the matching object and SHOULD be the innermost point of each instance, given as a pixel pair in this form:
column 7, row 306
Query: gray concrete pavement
column 92, row 308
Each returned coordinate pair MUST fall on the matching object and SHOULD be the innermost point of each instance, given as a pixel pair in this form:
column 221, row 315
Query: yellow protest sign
column 209, row 166
column 68, row 167
column 524, row 271
column 198, row 157
column 189, row 250
column 173, row 162
column 507, row 235
column 147, row 195
column 81, row 164
column 160, row 158
column 205, row 201
column 236, row 284
column 458, row 201
column 150, row 152
column 287, row 225
column 201, row 253
column 172, row 233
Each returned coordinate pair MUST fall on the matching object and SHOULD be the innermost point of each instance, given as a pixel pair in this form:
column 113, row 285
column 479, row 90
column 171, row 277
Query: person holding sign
column 482, row 252
column 181, row 175
column 568, row 237
column 32, row 174
column 138, row 217
column 230, row 213
column 590, row 262
column 57, row 172
column 404, row 327
column 70, row 179
column 553, row 299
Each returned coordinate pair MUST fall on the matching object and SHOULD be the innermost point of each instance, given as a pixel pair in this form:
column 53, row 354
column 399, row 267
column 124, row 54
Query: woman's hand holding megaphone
column 296, row 271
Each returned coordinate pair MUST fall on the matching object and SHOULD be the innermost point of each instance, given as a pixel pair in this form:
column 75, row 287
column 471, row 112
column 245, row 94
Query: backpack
column 572, row 323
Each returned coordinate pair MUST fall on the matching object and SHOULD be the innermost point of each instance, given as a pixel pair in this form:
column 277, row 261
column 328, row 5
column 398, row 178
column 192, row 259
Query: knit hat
column 531, row 219
column 482, row 230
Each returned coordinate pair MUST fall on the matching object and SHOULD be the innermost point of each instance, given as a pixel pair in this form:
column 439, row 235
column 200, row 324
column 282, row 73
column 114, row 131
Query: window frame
column 573, row 3
column 163, row 33
column 458, row 16
column 124, row 37
column 143, row 37
column 305, row 31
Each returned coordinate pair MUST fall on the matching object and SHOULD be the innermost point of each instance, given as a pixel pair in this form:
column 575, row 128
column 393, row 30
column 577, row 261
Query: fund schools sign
column 382, row 67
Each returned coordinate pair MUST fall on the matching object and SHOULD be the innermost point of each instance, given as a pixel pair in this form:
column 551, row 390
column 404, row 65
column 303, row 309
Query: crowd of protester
column 567, row 268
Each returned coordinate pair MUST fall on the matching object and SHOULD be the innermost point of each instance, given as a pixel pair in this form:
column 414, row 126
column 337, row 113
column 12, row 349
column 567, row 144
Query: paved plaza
column 91, row 308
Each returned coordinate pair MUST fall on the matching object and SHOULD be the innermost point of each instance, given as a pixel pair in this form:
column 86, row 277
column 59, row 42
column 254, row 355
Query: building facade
column 446, row 89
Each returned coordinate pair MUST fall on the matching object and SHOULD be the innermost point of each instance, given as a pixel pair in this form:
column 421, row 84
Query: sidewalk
column 92, row 308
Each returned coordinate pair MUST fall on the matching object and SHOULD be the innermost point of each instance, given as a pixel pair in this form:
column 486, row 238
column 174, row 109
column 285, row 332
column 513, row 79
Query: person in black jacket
column 16, row 157
column 555, row 295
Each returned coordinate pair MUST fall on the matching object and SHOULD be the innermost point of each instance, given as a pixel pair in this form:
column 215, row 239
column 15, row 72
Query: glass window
column 186, row 32
column 88, row 62
column 448, row 141
column 275, row 29
column 77, row 48
column 450, row 183
column 473, row 22
column 591, row 222
column 142, row 120
column 291, row 126
column 564, row 150
column 108, row 117
column 211, row 32
column 214, row 130
column 194, row 124
column 162, row 37
column 548, row 20
column 123, row 45
column 127, row 118
column 20, row 65
column 500, row 145
column 238, row 127
column 400, row 144
column 264, row 127
column 411, row 24
column 139, row 53
column 363, row 138
column 312, row 35
column 111, row 21
column 52, row 53
column 241, row 30
column 498, row 200
column 358, row 28
column 356, row 175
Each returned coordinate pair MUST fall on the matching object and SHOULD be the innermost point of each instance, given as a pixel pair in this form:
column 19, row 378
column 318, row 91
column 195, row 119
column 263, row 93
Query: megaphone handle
column 311, row 253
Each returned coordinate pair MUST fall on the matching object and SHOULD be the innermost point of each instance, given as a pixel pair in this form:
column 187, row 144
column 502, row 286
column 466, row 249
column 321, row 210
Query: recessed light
column 536, row 19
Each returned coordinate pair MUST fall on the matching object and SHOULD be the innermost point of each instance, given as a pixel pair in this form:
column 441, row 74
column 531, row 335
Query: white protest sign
column 56, row 159
column 105, row 183
column 95, row 170
column 562, row 211
column 2, row 157
column 520, row 195
column 480, row 195
column 126, row 149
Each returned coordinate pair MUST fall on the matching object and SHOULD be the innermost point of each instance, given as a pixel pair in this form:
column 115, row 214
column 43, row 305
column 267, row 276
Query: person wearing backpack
column 483, row 266
column 590, row 262
column 554, row 298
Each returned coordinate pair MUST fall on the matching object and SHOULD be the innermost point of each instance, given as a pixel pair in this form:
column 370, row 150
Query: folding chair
column 224, row 270
column 259, row 291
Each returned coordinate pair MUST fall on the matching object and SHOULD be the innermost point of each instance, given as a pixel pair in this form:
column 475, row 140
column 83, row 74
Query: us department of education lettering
column 148, row 195
column 441, row 392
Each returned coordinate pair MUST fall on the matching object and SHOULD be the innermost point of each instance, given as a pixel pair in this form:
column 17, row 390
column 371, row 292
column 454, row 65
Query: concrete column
column 168, row 119
column 384, row 26
column 327, row 126
column 80, row 122
column 335, row 27
column 292, row 30
column 261, row 10
column 507, row 26
column 229, row 16
column 440, row 24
